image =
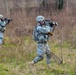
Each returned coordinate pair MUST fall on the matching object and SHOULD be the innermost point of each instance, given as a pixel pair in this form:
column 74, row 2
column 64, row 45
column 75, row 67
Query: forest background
column 19, row 48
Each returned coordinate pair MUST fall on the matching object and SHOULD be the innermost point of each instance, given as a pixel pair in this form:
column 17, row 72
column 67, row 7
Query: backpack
column 35, row 34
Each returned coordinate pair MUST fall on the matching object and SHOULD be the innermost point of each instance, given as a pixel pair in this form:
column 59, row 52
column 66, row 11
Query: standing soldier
column 3, row 23
column 41, row 35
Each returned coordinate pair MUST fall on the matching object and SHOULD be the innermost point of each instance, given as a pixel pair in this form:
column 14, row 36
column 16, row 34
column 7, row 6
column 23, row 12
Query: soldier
column 41, row 35
column 3, row 23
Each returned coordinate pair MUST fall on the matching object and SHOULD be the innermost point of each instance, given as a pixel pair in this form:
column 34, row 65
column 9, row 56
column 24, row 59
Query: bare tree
column 59, row 4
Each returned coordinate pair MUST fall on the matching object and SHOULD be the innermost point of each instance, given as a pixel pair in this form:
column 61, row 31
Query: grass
column 14, row 59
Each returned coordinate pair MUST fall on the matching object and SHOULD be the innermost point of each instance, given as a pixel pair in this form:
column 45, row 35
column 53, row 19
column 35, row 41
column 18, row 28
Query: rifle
column 52, row 25
column 2, row 27
column 7, row 20
column 52, row 55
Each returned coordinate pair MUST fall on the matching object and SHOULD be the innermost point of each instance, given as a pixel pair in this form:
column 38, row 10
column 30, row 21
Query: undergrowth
column 14, row 58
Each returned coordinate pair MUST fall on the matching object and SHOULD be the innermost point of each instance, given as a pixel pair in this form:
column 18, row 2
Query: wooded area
column 19, row 47
column 24, row 12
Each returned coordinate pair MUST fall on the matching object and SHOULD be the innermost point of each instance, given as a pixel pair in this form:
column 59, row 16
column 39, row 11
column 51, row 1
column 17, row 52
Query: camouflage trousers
column 1, row 37
column 41, row 50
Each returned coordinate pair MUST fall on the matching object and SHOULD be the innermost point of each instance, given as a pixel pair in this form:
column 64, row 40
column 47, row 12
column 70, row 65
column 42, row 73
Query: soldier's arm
column 3, row 23
column 43, row 30
column 53, row 25
column 7, row 20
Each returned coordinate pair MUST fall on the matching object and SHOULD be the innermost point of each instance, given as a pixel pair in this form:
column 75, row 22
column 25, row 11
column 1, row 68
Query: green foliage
column 4, row 70
column 14, row 59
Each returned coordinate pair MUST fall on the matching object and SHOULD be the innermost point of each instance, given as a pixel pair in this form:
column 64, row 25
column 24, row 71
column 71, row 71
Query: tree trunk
column 59, row 4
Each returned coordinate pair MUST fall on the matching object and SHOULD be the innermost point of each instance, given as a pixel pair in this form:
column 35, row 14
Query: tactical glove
column 50, row 33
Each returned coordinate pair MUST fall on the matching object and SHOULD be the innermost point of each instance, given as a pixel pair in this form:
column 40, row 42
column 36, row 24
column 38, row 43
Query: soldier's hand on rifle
column 56, row 24
column 50, row 33
column 53, row 24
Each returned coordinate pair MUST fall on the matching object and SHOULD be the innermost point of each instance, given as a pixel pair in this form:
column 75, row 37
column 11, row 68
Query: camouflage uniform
column 2, row 29
column 42, row 45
